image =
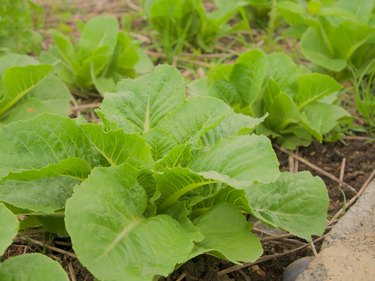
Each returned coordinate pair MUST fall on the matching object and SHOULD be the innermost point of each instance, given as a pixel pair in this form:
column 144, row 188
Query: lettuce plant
column 187, row 22
column 299, row 105
column 334, row 35
column 102, row 56
column 28, row 88
column 162, row 179
column 19, row 21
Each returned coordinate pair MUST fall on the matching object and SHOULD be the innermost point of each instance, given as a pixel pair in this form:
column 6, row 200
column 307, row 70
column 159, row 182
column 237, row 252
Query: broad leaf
column 143, row 102
column 228, row 235
column 9, row 228
column 295, row 202
column 118, row 147
column 239, row 161
column 31, row 267
column 41, row 141
column 110, row 203
column 17, row 81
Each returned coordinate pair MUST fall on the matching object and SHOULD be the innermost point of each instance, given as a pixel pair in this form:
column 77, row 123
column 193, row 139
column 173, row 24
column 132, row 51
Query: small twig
column 266, row 258
column 78, row 108
column 244, row 276
column 271, row 238
column 317, row 169
column 71, row 272
column 313, row 248
column 52, row 248
column 182, row 277
column 355, row 198
column 342, row 171
column 357, row 138
column 291, row 163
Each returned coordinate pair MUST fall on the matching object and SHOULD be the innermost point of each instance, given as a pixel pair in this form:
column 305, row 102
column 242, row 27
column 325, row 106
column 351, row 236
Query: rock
column 348, row 252
column 296, row 268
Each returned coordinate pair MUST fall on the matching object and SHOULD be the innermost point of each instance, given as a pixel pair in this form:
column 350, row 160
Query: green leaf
column 39, row 100
column 41, row 141
column 234, row 124
column 297, row 203
column 282, row 70
column 118, row 147
column 228, row 235
column 99, row 32
column 239, row 161
column 193, row 118
column 313, row 87
column 244, row 82
column 126, row 244
column 33, row 267
column 17, row 81
column 40, row 195
column 174, row 183
column 9, row 228
column 143, row 102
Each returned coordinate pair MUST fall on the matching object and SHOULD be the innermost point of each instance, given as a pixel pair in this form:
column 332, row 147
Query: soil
column 279, row 249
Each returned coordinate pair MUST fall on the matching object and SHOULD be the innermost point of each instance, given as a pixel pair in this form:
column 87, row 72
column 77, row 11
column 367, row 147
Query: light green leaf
column 41, row 141
column 41, row 99
column 9, row 228
column 233, row 124
column 40, row 195
column 193, row 118
column 297, row 203
column 17, row 81
column 99, row 32
column 313, row 87
column 282, row 70
column 239, row 161
column 228, row 235
column 323, row 117
column 174, row 183
column 143, row 102
column 31, row 267
column 118, row 147
column 126, row 245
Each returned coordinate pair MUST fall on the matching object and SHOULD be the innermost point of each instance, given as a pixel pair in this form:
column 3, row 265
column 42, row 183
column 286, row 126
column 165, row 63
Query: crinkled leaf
column 118, row 147
column 295, row 202
column 41, row 141
column 143, row 102
column 239, row 161
column 31, row 267
column 174, row 183
column 110, row 203
column 9, row 227
column 193, row 118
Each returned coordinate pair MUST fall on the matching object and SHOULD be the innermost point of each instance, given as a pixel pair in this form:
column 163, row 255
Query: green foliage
column 334, row 35
column 103, row 56
column 19, row 21
column 27, row 88
column 364, row 93
column 158, row 184
column 300, row 105
column 31, row 267
column 185, row 22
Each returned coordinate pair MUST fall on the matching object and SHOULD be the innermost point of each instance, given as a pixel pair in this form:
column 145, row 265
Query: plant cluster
column 334, row 35
column 297, row 105
column 19, row 21
column 188, row 22
column 164, row 178
column 102, row 57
